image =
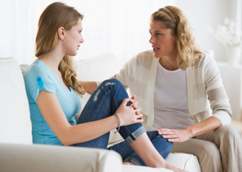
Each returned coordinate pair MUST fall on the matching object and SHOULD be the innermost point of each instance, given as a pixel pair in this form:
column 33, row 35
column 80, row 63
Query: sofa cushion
column 15, row 125
column 187, row 162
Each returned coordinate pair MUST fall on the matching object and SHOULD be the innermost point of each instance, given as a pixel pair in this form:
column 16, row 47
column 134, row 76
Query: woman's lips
column 155, row 49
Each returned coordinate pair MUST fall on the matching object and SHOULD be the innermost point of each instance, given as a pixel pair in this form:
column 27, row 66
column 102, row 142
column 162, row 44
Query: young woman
column 52, row 90
column 181, row 94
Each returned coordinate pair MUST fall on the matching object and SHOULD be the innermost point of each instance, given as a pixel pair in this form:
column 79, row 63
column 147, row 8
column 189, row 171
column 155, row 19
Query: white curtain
column 109, row 26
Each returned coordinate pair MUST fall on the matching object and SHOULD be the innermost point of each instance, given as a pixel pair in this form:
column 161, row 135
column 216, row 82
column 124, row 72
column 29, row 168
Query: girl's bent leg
column 104, row 102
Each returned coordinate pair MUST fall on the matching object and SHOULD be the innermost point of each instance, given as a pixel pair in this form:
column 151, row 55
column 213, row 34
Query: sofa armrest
column 39, row 158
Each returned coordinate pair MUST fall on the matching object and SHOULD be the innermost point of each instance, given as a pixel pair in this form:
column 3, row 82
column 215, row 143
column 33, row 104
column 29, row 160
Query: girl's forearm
column 89, row 86
column 90, row 130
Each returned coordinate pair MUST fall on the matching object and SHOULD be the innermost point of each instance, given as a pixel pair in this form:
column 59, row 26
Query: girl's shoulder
column 36, row 71
column 37, row 68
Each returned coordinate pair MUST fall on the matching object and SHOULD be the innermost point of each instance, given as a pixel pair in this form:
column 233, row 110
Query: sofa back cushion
column 15, row 124
column 96, row 68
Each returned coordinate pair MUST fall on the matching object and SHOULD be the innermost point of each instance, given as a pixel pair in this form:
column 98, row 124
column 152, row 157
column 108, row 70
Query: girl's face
column 162, row 40
column 73, row 39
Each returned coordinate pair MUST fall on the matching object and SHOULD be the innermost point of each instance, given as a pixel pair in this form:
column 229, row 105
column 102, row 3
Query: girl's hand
column 175, row 135
column 129, row 114
column 135, row 105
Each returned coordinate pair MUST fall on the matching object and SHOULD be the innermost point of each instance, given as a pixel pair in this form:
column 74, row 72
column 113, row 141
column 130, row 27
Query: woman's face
column 73, row 39
column 162, row 40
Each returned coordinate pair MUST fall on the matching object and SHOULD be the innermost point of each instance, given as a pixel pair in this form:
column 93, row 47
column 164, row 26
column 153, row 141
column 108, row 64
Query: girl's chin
column 72, row 54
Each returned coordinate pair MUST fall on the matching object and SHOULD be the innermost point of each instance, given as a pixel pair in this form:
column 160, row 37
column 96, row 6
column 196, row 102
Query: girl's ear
column 61, row 33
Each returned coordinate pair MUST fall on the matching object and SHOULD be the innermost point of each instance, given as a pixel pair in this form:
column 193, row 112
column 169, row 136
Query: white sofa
column 17, row 153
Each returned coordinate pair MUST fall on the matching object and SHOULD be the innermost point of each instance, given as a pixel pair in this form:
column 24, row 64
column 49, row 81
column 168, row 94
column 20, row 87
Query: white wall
column 110, row 26
column 204, row 13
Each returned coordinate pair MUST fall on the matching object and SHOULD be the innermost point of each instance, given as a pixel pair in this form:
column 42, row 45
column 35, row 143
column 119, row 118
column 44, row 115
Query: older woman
column 181, row 94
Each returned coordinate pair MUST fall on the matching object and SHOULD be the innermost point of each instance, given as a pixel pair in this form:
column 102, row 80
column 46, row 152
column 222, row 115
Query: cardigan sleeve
column 125, row 72
column 215, row 90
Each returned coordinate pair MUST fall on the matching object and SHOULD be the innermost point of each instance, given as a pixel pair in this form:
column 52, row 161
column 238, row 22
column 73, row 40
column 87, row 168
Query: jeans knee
column 111, row 82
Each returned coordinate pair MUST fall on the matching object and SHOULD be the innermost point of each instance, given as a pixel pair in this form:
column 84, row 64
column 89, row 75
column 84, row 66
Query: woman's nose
column 152, row 40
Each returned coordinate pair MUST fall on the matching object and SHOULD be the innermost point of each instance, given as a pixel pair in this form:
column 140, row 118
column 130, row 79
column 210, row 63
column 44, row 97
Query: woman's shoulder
column 204, row 61
column 148, row 54
column 143, row 58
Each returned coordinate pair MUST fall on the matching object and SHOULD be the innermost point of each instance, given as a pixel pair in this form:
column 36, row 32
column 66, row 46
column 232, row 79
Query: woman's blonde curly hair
column 173, row 18
column 54, row 16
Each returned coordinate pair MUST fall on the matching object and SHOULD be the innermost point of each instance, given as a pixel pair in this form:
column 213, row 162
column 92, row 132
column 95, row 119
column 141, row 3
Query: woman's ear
column 61, row 33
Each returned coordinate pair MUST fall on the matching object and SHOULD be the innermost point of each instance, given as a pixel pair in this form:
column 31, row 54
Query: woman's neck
column 169, row 63
column 52, row 59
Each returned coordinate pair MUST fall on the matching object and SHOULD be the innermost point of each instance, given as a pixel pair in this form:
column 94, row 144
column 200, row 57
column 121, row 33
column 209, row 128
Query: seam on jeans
column 128, row 140
column 133, row 160
column 138, row 132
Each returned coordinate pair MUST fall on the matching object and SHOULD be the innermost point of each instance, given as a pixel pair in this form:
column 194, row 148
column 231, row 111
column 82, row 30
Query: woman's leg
column 228, row 140
column 162, row 146
column 104, row 102
column 206, row 152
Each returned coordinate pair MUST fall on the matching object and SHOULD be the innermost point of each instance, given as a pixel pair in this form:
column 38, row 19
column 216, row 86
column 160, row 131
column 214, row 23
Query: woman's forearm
column 204, row 126
column 89, row 87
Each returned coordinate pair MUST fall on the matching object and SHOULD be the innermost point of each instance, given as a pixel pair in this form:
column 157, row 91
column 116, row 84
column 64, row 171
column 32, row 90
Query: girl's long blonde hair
column 173, row 18
column 54, row 16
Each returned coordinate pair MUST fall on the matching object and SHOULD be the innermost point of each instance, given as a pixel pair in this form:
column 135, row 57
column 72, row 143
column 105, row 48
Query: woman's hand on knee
column 174, row 135
column 129, row 114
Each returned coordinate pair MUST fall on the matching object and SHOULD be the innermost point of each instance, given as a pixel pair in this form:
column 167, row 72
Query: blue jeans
column 103, row 103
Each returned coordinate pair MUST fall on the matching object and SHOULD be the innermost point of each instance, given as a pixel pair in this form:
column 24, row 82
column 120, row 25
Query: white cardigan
column 206, row 93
